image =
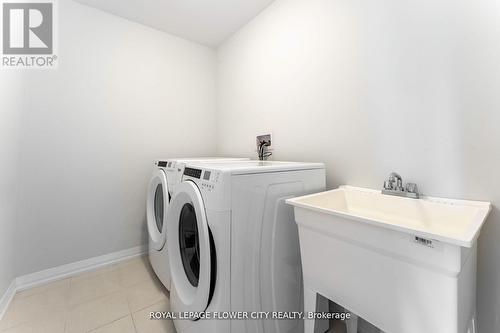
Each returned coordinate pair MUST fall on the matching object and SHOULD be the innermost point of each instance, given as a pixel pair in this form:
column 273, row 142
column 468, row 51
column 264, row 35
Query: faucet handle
column 411, row 188
column 388, row 185
column 394, row 176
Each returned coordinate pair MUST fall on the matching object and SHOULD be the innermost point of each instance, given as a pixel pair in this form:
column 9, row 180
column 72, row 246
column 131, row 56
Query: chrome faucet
column 394, row 186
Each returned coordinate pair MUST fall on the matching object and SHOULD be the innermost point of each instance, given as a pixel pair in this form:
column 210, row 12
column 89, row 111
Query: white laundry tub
column 405, row 265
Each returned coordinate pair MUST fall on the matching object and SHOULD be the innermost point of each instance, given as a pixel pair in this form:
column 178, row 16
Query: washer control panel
column 194, row 173
column 206, row 179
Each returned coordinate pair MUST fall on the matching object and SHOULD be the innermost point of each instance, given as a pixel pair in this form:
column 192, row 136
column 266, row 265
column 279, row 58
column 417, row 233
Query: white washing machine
column 234, row 246
column 166, row 175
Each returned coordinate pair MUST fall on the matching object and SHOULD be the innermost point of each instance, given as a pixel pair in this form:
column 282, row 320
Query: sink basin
column 451, row 221
column 405, row 265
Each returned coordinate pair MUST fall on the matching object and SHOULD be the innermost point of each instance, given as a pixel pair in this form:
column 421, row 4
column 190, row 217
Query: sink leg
column 352, row 324
column 309, row 306
column 313, row 302
column 473, row 328
column 322, row 325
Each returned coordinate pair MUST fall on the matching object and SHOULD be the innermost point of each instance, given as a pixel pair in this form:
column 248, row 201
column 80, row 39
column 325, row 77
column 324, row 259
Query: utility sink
column 406, row 265
column 456, row 222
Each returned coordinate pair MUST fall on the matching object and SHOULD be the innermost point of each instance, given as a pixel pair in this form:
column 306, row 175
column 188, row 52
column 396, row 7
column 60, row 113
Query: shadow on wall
column 144, row 231
column 478, row 79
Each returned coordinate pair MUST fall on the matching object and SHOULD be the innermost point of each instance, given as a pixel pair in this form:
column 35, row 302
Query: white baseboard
column 7, row 298
column 64, row 271
column 60, row 272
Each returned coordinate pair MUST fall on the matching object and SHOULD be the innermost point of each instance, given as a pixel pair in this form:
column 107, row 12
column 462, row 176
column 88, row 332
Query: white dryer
column 233, row 244
column 167, row 174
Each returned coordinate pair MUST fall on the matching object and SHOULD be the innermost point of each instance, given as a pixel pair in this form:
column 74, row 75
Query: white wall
column 123, row 95
column 370, row 88
column 10, row 110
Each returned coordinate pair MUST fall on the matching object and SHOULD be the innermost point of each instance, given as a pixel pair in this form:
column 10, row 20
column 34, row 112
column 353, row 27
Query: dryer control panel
column 173, row 171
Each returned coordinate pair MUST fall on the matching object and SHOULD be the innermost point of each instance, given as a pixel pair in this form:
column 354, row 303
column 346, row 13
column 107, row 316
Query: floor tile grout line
column 119, row 284
column 133, row 319
column 132, row 315
column 37, row 318
column 69, row 311
column 144, row 308
column 19, row 293
column 30, row 322
column 108, row 323
column 128, row 303
column 96, row 272
column 114, row 293
column 107, row 294
column 70, row 307
column 71, row 278
column 133, row 323
column 150, row 305
column 121, row 289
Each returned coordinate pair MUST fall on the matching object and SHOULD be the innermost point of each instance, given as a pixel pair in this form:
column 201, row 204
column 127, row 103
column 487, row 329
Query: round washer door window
column 159, row 208
column 191, row 250
column 189, row 242
column 156, row 208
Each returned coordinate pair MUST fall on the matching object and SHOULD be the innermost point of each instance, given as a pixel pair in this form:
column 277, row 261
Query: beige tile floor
column 116, row 298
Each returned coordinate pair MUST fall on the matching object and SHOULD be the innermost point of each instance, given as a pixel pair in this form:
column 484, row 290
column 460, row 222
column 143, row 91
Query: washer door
column 191, row 249
column 157, row 208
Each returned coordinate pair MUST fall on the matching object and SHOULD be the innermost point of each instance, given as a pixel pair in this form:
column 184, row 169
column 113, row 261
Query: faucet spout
column 395, row 181
column 394, row 186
